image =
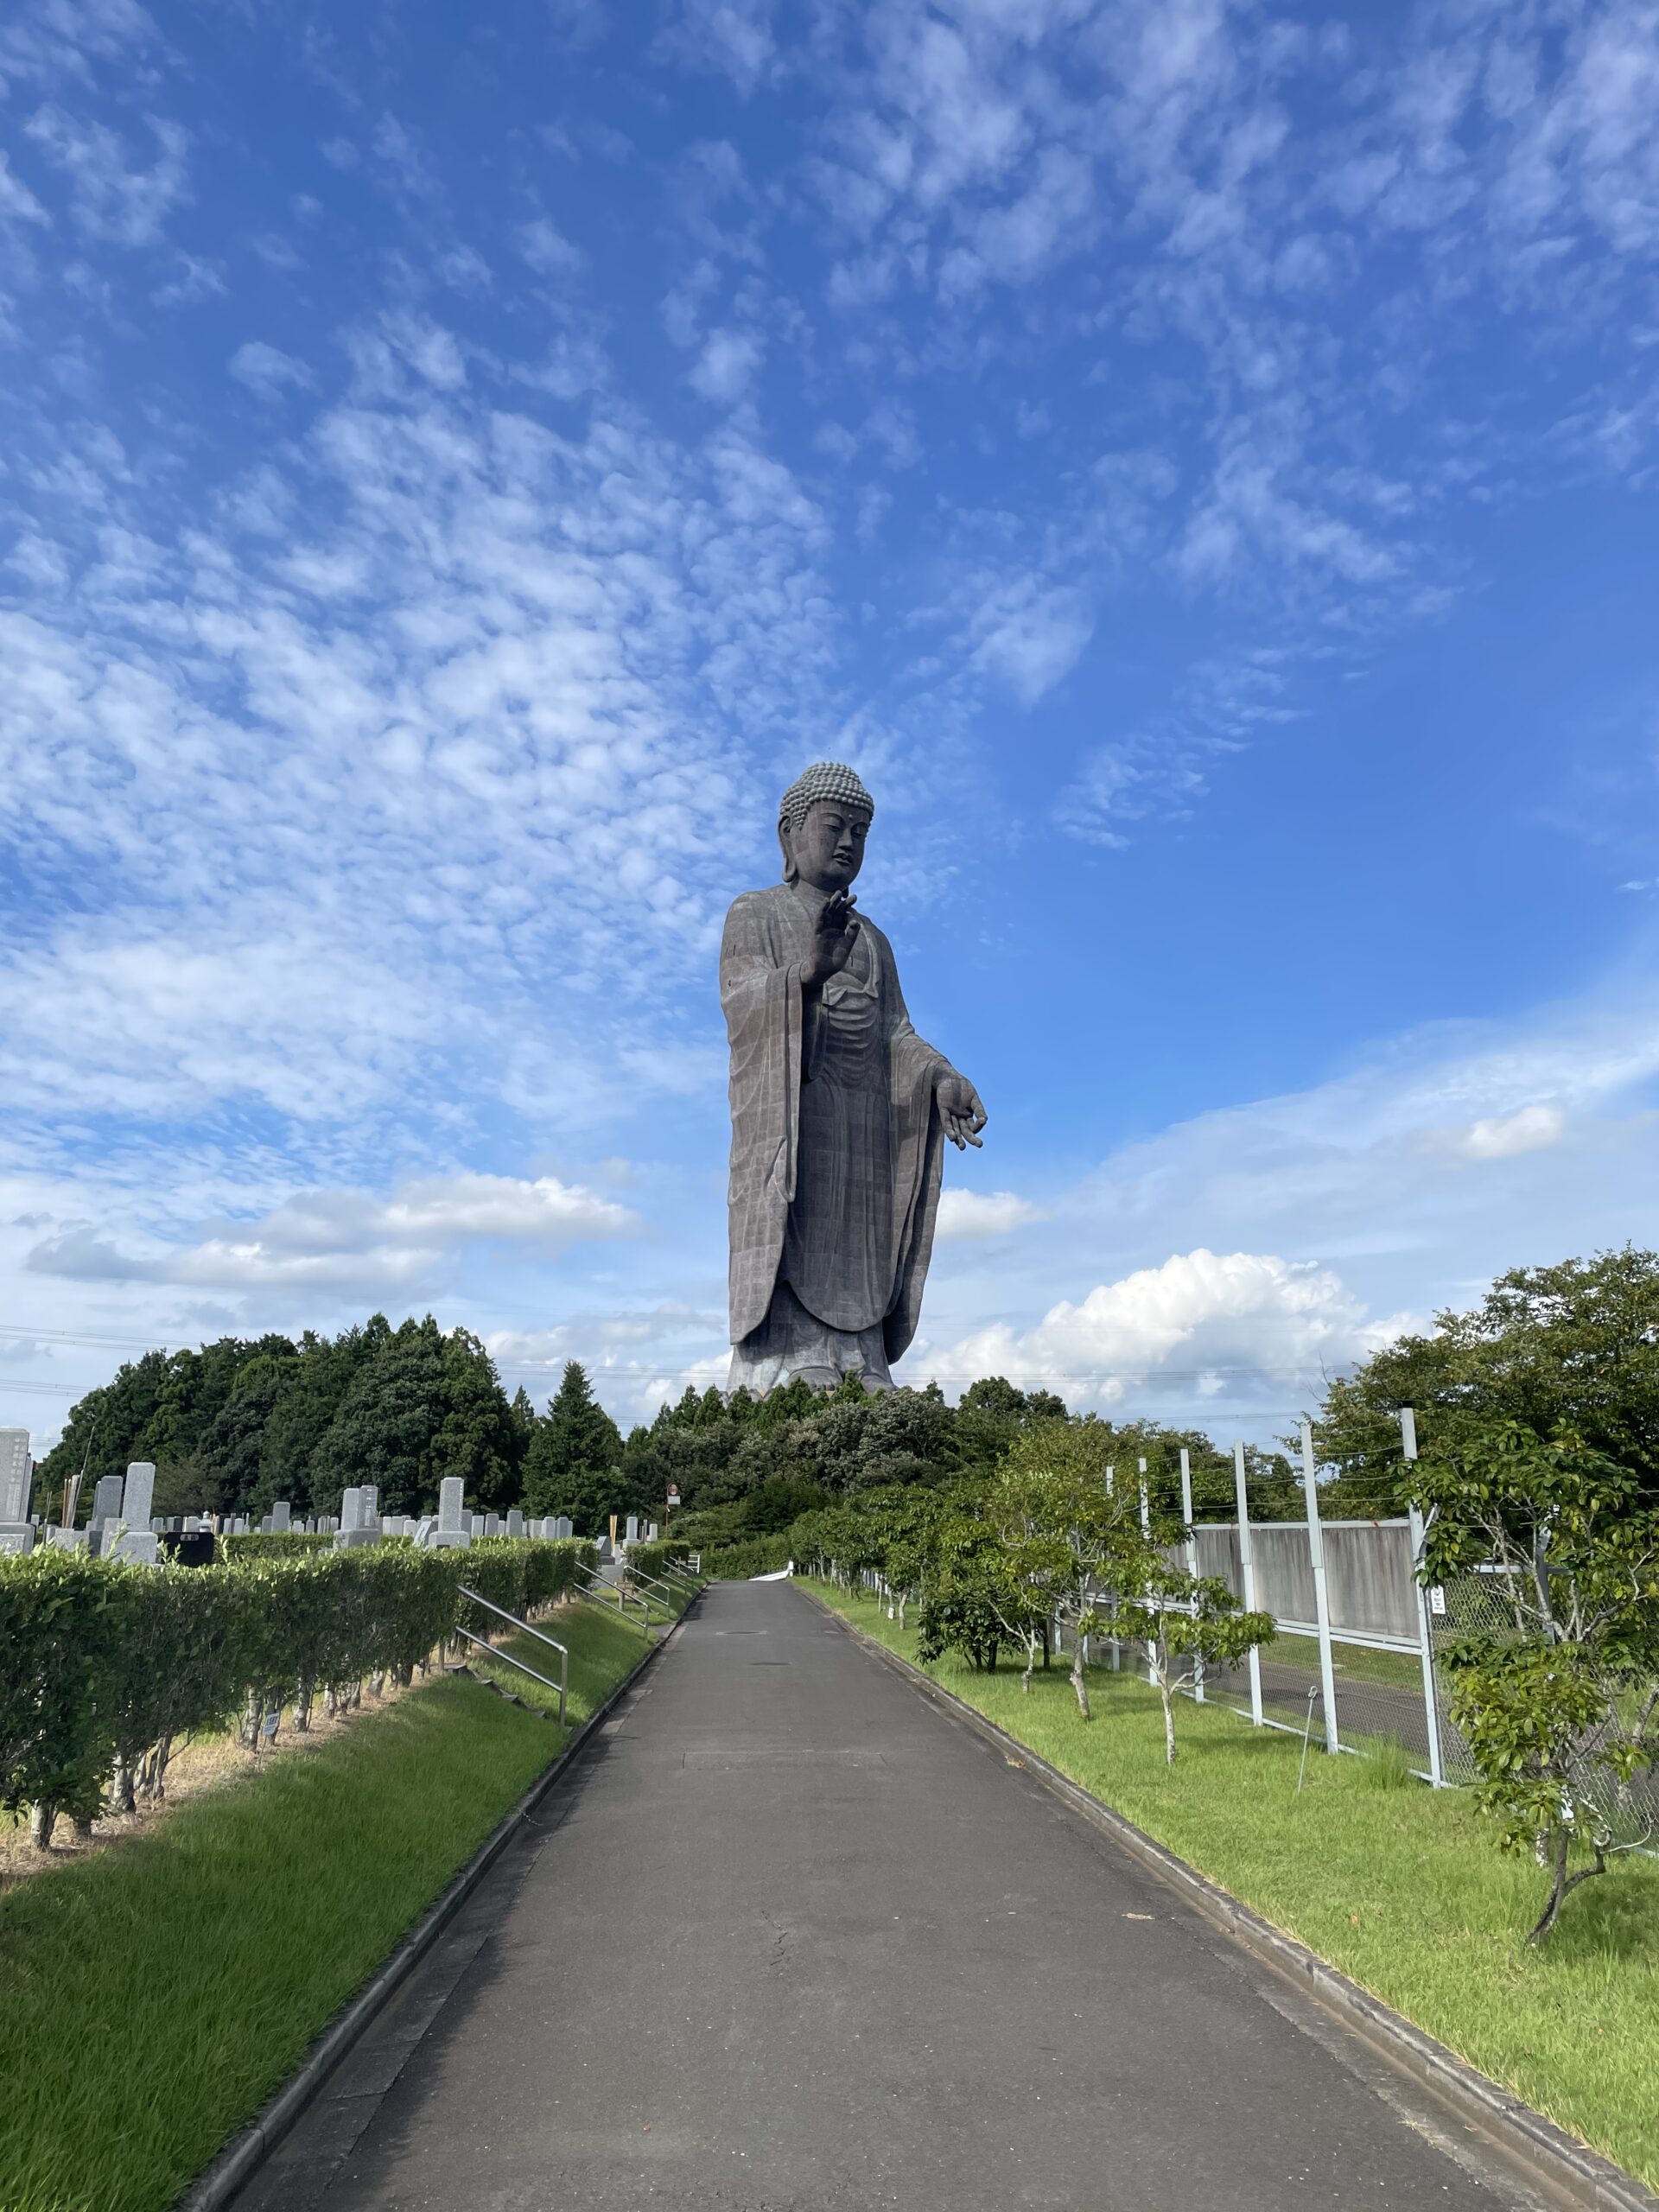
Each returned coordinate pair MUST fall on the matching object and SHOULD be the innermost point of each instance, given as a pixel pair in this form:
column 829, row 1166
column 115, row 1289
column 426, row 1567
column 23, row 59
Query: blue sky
column 458, row 466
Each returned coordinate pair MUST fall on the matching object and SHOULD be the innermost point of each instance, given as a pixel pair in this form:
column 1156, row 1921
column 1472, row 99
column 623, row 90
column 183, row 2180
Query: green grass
column 1402, row 1887
column 156, row 1994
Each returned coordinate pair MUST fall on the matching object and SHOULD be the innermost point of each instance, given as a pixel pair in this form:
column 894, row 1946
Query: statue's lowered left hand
column 960, row 1111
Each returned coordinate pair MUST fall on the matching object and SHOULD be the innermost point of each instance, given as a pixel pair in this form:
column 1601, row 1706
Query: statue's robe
column 836, row 1147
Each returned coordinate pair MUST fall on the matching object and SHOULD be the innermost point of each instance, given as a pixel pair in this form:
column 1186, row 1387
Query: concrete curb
column 1557, row 2159
column 219, row 2181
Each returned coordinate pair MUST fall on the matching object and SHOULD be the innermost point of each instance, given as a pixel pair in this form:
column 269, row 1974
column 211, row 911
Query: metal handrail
column 524, row 1628
column 621, row 1608
column 638, row 1574
column 547, row 1681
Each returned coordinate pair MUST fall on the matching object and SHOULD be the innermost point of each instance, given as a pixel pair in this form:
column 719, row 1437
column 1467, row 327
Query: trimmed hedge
column 651, row 1559
column 106, row 1662
column 756, row 1555
column 273, row 1543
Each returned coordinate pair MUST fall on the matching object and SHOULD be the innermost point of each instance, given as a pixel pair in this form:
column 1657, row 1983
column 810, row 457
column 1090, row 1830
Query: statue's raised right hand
column 832, row 938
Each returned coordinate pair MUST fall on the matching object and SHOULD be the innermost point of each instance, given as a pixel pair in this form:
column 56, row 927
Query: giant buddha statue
column 840, row 1112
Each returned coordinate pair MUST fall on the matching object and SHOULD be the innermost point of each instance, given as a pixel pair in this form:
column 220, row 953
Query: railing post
column 1425, row 1635
column 1321, row 1607
column 1247, row 1575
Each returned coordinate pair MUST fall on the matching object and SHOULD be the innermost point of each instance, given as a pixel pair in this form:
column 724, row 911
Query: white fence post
column 1321, row 1607
column 1425, row 1638
column 1191, row 1560
column 1117, row 1649
column 1247, row 1576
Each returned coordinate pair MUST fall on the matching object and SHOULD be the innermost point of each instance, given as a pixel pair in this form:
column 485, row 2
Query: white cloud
column 126, row 205
column 267, row 370
column 1502, row 1136
column 17, row 203
column 728, row 359
column 347, row 1241
column 547, row 249
column 967, row 1216
column 1194, row 1318
column 1031, row 633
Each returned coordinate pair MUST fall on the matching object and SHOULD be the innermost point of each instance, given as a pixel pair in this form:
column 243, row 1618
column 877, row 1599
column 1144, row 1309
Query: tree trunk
column 1562, row 1884
column 1078, row 1684
column 1169, row 1714
column 253, row 1714
column 903, row 1599
column 121, row 1796
column 302, row 1705
column 1031, row 1661
column 153, row 1784
column 42, row 1819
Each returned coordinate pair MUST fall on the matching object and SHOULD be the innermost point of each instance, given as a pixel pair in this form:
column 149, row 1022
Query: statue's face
column 827, row 847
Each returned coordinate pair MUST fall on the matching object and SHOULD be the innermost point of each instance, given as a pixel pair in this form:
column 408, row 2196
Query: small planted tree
column 1181, row 1624
column 1555, row 1694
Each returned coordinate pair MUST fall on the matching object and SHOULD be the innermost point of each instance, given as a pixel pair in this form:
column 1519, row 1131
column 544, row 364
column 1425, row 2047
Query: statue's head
column 823, row 820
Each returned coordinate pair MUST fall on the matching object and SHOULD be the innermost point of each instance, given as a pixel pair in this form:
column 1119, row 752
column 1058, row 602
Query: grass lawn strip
column 156, row 1992
column 1402, row 1887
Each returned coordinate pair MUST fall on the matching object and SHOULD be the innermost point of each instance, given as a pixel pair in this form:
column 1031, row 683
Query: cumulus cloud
column 1030, row 634
column 1502, row 1136
column 1199, row 1315
column 268, row 370
column 349, row 1240
column 722, row 370
column 965, row 1216
column 111, row 197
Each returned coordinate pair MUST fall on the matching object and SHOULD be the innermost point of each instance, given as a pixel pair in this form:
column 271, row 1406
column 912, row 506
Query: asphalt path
column 792, row 1937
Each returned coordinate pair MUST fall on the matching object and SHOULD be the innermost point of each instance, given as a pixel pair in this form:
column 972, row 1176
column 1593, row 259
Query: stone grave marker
column 282, row 1520
column 16, row 1480
column 453, row 1532
column 106, row 1500
column 359, row 1517
column 515, row 1522
column 138, row 1540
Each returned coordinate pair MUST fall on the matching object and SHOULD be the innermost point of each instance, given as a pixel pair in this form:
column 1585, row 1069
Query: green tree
column 1568, row 1349
column 574, row 1463
column 386, row 1428
column 1556, row 1700
column 476, row 1436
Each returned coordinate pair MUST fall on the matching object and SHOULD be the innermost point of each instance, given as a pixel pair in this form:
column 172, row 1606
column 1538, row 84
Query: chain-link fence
column 1480, row 1605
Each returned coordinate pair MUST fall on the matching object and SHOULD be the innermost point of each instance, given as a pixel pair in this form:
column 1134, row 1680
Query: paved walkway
column 790, row 1938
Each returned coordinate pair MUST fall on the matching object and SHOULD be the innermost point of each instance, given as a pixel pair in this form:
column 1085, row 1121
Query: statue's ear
column 791, row 874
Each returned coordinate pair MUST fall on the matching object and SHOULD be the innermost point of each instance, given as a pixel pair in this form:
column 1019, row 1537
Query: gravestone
column 515, row 1522
column 492, row 1524
column 136, row 1541
column 651, row 1532
column 631, row 1534
column 564, row 1527
column 424, row 1530
column 453, row 1533
column 281, row 1520
column 359, row 1517
column 16, row 1480
column 106, row 1500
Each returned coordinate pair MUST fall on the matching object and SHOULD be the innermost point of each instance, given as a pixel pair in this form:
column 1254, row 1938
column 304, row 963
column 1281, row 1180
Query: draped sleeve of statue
column 760, row 991
column 917, row 1162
